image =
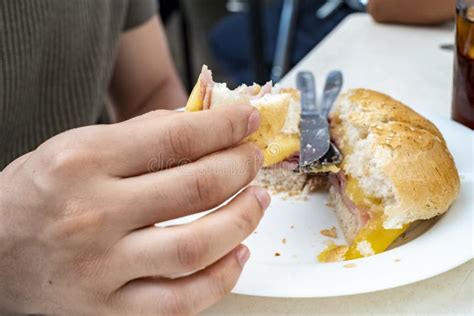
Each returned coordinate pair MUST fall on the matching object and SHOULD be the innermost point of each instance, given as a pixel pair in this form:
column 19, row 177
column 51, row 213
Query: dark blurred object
column 357, row 5
column 167, row 9
column 463, row 90
column 255, row 9
column 232, row 38
column 281, row 61
column 236, row 5
column 449, row 47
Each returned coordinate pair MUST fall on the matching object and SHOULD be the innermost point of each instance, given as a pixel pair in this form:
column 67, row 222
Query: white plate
column 297, row 273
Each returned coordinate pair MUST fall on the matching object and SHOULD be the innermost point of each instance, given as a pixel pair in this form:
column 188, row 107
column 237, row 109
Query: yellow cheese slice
column 196, row 98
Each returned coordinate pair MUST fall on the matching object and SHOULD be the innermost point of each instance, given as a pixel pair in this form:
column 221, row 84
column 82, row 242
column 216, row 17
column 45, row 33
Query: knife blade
column 314, row 128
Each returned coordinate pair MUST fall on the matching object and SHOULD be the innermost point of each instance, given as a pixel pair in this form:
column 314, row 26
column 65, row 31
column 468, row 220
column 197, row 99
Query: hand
column 77, row 215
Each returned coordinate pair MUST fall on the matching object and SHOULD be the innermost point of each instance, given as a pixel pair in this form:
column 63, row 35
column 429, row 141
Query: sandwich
column 396, row 170
column 278, row 135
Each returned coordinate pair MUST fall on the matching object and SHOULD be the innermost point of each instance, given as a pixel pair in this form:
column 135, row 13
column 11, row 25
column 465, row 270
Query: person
column 230, row 45
column 78, row 201
column 412, row 11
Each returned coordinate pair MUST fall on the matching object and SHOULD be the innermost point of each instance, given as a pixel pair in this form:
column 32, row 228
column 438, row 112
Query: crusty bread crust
column 420, row 168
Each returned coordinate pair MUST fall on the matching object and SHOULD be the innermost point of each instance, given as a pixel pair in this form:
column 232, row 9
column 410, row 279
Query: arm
column 412, row 11
column 145, row 78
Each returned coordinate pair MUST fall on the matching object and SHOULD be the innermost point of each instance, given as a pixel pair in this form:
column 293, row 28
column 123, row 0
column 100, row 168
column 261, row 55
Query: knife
column 332, row 88
column 314, row 128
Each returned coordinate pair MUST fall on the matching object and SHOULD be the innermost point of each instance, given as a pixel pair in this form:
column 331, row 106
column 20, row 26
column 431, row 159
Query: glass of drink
column 463, row 90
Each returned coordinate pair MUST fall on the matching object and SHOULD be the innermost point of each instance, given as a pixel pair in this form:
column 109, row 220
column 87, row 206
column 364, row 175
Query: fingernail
column 253, row 122
column 243, row 255
column 262, row 196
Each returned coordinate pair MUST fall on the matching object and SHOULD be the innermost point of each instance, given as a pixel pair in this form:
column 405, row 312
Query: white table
column 406, row 63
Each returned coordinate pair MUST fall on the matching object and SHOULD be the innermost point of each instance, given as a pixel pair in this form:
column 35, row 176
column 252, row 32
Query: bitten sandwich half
column 396, row 170
column 278, row 135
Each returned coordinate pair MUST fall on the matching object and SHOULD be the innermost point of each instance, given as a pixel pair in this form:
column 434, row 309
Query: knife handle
column 332, row 87
column 306, row 84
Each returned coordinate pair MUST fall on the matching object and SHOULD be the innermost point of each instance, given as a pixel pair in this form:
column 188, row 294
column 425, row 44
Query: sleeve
column 139, row 11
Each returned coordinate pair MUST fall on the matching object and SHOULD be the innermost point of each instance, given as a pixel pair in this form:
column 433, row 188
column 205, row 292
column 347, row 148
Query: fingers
column 185, row 190
column 182, row 249
column 154, row 143
column 153, row 115
column 184, row 296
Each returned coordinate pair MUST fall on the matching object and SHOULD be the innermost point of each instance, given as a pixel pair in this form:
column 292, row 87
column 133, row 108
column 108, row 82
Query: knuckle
column 202, row 188
column 230, row 130
column 79, row 222
column 246, row 221
column 87, row 264
column 190, row 249
column 67, row 161
column 179, row 139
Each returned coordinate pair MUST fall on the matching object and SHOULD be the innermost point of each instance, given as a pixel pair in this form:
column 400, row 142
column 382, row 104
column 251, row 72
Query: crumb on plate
column 331, row 232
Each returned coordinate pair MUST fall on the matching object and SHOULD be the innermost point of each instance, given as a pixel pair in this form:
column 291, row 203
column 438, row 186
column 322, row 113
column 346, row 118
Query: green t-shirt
column 56, row 62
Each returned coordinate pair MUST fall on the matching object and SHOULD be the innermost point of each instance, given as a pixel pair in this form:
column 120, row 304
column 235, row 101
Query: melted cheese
column 326, row 168
column 373, row 238
column 355, row 193
column 373, row 235
column 376, row 236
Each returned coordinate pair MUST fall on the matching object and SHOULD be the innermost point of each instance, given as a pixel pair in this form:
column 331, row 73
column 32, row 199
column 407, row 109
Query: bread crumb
column 350, row 265
column 333, row 253
column 332, row 232
column 329, row 204
column 397, row 260
column 283, row 241
column 277, row 254
column 255, row 232
column 292, row 226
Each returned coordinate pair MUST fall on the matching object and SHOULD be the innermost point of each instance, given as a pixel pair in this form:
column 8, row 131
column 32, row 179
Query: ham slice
column 290, row 163
column 207, row 83
column 338, row 180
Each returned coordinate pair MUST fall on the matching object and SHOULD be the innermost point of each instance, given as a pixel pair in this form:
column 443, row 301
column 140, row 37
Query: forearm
column 412, row 11
column 145, row 77
column 168, row 95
